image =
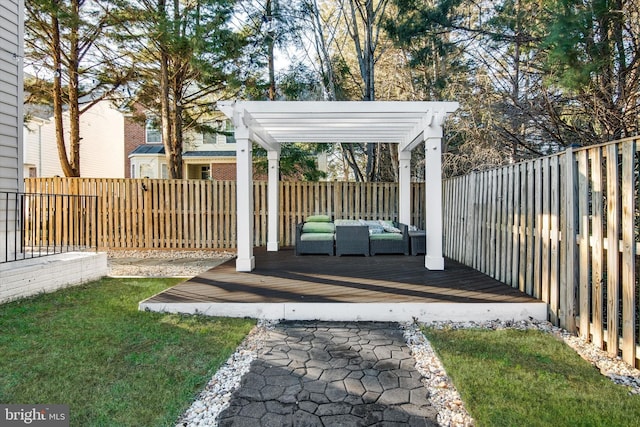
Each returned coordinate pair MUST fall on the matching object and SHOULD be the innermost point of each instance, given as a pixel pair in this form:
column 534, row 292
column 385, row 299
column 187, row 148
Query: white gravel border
column 443, row 395
column 216, row 395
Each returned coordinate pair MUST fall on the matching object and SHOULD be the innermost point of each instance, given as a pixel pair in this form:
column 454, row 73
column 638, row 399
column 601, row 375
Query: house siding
column 10, row 94
column 214, row 155
column 101, row 147
column 11, row 52
column 40, row 149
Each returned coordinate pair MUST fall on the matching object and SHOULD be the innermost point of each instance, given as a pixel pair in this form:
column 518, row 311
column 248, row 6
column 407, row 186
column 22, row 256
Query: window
column 153, row 133
column 229, row 131
column 205, row 172
column 222, row 133
column 210, row 138
column 146, row 171
column 133, row 170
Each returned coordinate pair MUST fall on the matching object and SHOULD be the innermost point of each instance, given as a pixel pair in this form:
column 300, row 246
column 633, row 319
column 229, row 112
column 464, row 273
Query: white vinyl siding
column 10, row 95
column 11, row 52
column 101, row 151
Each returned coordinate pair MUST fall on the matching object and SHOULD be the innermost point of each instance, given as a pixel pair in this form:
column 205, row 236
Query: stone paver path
column 331, row 374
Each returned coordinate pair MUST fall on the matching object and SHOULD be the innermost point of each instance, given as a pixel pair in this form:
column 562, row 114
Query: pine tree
column 68, row 42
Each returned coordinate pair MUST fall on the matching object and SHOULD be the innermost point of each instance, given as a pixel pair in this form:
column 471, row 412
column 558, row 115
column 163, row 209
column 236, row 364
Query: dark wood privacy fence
column 192, row 214
column 564, row 229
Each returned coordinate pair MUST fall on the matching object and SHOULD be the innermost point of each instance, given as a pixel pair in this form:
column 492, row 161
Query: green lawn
column 529, row 378
column 89, row 347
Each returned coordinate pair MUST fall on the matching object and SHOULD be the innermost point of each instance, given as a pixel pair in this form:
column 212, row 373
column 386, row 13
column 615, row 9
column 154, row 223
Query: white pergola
column 273, row 123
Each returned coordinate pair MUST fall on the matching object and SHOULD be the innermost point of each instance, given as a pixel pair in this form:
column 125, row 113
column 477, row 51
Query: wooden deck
column 315, row 285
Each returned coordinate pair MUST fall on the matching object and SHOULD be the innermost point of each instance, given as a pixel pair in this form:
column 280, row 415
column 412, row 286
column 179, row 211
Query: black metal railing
column 34, row 225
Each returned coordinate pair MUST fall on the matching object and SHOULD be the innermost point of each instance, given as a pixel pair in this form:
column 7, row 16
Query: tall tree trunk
column 176, row 134
column 515, row 90
column 326, row 67
column 373, row 149
column 369, row 51
column 56, row 47
column 165, row 105
column 365, row 12
column 74, row 107
column 270, row 48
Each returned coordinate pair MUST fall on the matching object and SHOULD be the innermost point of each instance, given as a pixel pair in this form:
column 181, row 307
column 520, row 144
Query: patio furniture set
column 320, row 235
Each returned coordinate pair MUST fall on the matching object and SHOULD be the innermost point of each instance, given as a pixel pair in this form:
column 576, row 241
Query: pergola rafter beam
column 430, row 126
column 259, row 134
column 338, row 121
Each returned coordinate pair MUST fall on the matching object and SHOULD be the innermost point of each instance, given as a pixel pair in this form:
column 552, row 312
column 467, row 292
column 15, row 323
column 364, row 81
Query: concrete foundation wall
column 47, row 274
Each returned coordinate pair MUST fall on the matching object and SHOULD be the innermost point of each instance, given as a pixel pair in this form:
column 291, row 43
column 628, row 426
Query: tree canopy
column 532, row 76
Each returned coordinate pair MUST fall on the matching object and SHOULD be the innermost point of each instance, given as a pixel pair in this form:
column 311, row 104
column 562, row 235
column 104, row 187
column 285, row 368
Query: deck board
column 282, row 277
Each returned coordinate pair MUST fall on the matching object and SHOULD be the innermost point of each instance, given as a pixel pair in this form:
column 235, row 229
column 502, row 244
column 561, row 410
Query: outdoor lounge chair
column 313, row 243
column 390, row 243
column 352, row 240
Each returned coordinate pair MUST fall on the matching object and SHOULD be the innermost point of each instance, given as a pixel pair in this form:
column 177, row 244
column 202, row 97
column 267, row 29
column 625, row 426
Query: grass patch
column 90, row 347
column 529, row 378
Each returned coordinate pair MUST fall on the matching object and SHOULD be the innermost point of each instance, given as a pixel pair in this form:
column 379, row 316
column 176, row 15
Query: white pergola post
column 404, row 186
column 244, row 189
column 273, row 232
column 433, row 259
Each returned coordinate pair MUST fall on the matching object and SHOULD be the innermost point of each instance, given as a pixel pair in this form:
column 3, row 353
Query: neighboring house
column 115, row 145
column 101, row 144
column 205, row 155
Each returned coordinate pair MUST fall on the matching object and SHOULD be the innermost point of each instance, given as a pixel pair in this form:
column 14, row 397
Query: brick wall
column 223, row 171
column 134, row 136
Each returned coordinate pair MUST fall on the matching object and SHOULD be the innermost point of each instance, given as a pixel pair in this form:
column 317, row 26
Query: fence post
column 568, row 294
column 585, row 249
column 471, row 224
column 628, row 254
column 613, row 266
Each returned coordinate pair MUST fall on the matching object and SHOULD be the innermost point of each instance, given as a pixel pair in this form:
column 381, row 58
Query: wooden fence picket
column 597, row 246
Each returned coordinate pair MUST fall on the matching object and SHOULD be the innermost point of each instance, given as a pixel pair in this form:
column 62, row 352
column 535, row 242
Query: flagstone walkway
column 331, row 374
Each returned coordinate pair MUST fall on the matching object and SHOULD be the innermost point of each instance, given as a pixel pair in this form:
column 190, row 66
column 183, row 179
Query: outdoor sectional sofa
column 318, row 235
column 381, row 237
